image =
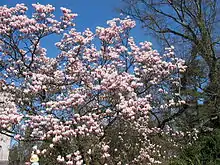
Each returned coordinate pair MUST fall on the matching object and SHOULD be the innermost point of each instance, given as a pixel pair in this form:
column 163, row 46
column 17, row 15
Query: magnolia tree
column 99, row 101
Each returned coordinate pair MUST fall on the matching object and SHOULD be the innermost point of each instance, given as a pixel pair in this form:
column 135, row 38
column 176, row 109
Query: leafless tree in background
column 192, row 26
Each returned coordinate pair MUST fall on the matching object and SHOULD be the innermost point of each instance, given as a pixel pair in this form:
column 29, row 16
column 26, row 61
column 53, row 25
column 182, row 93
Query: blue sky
column 91, row 13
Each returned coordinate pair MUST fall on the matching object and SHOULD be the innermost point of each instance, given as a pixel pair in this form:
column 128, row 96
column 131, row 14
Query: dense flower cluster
column 95, row 99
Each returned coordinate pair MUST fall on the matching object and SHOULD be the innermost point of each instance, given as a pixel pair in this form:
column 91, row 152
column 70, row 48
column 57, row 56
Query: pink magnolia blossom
column 98, row 93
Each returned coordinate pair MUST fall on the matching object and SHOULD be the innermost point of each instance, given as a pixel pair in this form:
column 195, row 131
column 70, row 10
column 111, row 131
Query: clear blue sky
column 91, row 13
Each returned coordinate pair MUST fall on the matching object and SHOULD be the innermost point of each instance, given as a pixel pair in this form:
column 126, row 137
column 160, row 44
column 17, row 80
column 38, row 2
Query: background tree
column 192, row 26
